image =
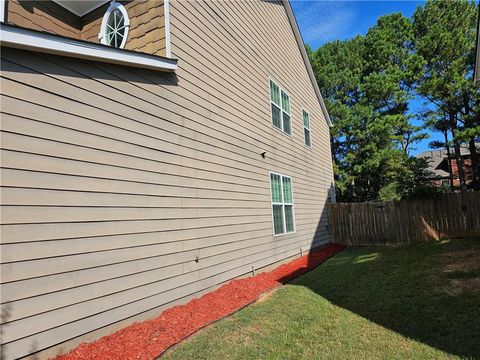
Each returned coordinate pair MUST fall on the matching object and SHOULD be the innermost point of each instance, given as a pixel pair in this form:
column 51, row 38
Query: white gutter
column 12, row 36
column 301, row 45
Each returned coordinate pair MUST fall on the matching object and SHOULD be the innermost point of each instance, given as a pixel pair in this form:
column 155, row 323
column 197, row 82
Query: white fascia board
column 12, row 36
column 301, row 46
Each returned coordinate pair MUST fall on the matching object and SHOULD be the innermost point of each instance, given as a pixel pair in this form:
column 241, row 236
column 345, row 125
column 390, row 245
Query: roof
column 301, row 46
column 464, row 151
column 435, row 159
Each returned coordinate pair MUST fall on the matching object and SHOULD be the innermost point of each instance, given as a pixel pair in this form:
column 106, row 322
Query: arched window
column 115, row 25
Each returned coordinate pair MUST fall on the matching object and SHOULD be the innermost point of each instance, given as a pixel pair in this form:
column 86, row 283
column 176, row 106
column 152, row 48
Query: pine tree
column 444, row 38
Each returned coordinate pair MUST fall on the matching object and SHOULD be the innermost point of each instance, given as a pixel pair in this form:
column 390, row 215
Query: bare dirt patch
column 459, row 286
column 266, row 295
column 463, row 270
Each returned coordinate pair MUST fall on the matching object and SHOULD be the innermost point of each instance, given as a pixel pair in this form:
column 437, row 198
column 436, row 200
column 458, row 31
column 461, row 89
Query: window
column 115, row 25
column 282, row 204
column 280, row 104
column 306, row 128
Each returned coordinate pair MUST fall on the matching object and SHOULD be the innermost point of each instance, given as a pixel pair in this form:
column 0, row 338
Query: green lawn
column 415, row 302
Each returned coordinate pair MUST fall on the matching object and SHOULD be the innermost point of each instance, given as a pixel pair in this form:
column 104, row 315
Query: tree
column 337, row 66
column 367, row 83
column 392, row 69
column 370, row 81
column 416, row 181
column 445, row 41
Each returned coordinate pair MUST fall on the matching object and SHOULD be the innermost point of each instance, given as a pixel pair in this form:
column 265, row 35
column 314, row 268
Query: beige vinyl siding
column 116, row 179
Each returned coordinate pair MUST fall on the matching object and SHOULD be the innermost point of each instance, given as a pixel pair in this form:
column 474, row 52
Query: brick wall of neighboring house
column 467, row 166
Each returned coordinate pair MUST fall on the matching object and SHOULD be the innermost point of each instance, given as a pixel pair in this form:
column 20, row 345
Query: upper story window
column 115, row 25
column 280, row 104
column 282, row 204
column 306, row 128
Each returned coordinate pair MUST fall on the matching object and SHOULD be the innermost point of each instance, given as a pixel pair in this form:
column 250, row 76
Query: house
column 437, row 165
column 444, row 168
column 151, row 151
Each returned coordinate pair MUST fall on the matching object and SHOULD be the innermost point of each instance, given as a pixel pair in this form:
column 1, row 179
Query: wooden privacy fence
column 408, row 221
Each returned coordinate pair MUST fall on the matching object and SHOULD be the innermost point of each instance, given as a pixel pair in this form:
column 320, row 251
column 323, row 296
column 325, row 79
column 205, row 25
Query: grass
column 414, row 302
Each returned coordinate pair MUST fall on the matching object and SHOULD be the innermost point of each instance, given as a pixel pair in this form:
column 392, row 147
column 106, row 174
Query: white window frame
column 309, row 128
column 283, row 203
column 282, row 129
column 113, row 7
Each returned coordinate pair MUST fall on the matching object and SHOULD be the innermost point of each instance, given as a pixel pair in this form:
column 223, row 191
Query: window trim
column 282, row 204
column 166, row 15
column 281, row 107
column 309, row 128
column 113, row 7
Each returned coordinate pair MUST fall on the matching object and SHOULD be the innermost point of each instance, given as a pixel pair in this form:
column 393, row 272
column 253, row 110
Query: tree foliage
column 445, row 34
column 415, row 181
column 369, row 83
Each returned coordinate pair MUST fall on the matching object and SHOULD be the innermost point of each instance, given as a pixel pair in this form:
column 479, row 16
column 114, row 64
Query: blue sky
column 322, row 21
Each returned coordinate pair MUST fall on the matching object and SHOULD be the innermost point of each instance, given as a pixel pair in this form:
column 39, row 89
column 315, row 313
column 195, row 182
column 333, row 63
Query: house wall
column 147, row 26
column 467, row 168
column 116, row 179
column 147, row 22
column 44, row 16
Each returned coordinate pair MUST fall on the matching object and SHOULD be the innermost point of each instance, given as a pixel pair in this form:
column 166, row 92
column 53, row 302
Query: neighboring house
column 132, row 180
column 441, row 166
column 437, row 165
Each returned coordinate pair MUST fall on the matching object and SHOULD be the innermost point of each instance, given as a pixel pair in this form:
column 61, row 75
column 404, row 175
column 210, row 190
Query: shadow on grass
column 428, row 292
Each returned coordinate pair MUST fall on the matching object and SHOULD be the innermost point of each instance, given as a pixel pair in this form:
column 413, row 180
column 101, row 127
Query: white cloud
column 323, row 21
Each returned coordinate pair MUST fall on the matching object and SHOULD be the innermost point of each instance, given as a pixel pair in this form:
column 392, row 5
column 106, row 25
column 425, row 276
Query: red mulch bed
column 149, row 339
